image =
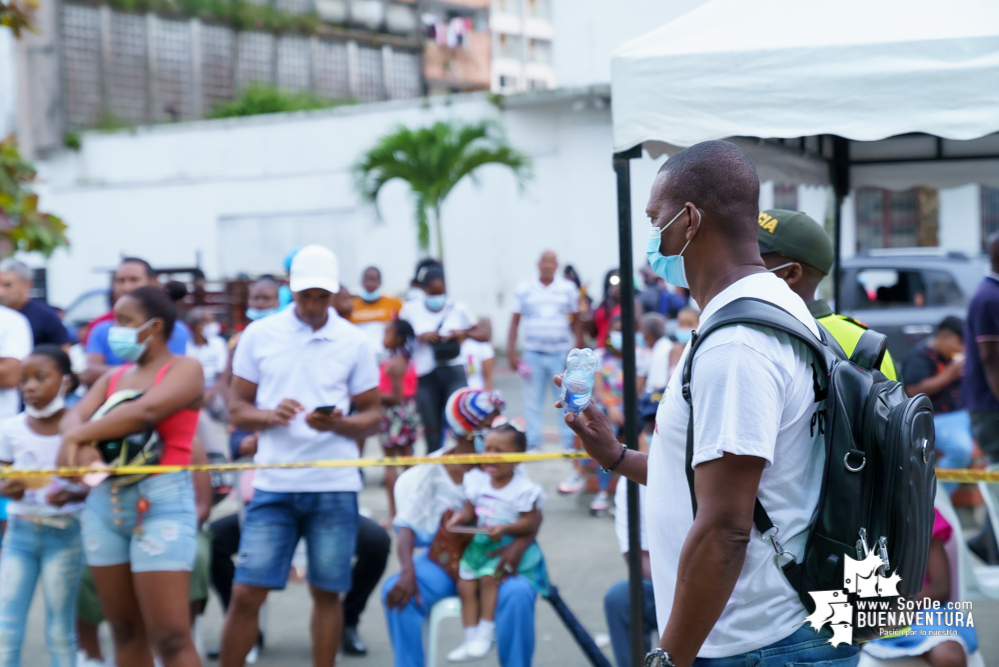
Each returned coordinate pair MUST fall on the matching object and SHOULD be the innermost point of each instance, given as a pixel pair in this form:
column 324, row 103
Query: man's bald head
column 993, row 249
column 717, row 177
column 547, row 266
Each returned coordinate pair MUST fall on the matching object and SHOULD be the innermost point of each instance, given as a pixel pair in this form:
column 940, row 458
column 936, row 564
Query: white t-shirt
column 285, row 358
column 496, row 507
column 621, row 515
column 659, row 364
column 753, row 395
column 15, row 343
column 31, row 451
column 452, row 317
column 473, row 353
column 213, row 355
column 544, row 313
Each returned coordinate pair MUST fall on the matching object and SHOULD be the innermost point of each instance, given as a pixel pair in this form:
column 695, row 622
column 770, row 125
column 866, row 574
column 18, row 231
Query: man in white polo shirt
column 548, row 308
column 15, row 345
column 295, row 376
column 720, row 598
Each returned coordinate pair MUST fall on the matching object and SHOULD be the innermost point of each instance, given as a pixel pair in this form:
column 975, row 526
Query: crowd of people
column 318, row 371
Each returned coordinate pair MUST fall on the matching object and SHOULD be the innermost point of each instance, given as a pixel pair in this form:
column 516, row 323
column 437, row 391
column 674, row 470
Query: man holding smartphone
column 295, row 376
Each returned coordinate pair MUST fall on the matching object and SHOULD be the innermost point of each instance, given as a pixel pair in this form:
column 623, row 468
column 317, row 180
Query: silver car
column 904, row 293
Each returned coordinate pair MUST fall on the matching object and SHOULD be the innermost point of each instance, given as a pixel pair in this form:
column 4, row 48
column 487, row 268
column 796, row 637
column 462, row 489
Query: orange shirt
column 382, row 311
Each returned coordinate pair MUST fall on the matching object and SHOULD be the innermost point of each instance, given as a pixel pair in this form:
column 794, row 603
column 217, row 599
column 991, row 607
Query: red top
column 176, row 431
column 408, row 380
column 106, row 317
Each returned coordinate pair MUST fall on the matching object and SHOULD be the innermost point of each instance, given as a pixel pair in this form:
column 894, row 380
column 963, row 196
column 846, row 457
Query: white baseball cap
column 314, row 267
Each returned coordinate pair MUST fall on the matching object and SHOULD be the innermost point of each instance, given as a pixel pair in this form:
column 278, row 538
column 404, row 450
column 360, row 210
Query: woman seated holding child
column 503, row 505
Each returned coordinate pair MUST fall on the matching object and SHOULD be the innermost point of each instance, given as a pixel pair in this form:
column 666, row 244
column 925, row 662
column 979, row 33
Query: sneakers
column 572, row 484
column 84, row 660
column 478, row 643
column 599, row 504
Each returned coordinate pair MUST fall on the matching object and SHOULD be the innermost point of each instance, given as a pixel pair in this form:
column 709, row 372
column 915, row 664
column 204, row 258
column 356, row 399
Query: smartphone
column 326, row 409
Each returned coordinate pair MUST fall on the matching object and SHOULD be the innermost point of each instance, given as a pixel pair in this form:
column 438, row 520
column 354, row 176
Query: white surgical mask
column 211, row 329
column 54, row 406
column 782, row 266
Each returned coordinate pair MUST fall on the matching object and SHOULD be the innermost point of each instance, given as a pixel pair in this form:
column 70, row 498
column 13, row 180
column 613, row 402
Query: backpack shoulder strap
column 870, row 350
column 749, row 310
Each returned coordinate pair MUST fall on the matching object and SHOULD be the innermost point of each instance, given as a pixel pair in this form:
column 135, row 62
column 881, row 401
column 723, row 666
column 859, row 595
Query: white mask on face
column 57, row 404
column 211, row 329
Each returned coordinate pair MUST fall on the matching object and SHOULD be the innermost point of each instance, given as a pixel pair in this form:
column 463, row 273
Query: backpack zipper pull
column 883, row 553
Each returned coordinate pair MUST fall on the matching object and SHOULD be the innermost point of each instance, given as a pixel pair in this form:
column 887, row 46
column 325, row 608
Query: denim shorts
column 276, row 521
column 163, row 539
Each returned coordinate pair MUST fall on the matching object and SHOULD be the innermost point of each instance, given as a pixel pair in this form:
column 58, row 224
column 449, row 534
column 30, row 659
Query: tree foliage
column 16, row 15
column 22, row 226
column 433, row 160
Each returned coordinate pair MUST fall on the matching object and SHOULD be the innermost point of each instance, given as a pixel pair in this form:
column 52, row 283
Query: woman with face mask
column 440, row 325
column 140, row 536
column 687, row 320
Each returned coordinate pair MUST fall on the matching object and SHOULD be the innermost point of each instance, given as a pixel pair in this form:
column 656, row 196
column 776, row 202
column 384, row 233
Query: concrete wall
column 244, row 192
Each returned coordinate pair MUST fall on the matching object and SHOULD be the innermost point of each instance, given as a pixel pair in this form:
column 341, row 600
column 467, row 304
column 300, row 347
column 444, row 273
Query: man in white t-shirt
column 15, row 345
column 295, row 376
column 546, row 309
column 718, row 591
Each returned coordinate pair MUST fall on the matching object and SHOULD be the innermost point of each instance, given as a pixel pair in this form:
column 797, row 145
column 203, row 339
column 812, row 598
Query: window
column 894, row 288
column 990, row 213
column 786, row 196
column 887, row 219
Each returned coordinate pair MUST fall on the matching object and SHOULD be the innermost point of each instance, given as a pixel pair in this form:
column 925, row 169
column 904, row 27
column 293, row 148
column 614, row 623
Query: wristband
column 624, row 452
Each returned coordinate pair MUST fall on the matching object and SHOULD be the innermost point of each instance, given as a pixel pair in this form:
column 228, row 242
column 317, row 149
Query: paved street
column 583, row 561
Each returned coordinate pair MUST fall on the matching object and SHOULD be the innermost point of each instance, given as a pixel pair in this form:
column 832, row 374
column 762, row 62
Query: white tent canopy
column 858, row 69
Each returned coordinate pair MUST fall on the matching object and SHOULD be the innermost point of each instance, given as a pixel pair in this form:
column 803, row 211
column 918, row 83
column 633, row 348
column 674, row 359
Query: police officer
column 796, row 249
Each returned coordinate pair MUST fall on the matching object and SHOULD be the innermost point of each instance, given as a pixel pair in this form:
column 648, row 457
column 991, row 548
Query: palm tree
column 433, row 160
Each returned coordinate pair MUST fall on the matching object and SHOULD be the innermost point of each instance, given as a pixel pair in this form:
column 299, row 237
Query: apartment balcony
column 464, row 67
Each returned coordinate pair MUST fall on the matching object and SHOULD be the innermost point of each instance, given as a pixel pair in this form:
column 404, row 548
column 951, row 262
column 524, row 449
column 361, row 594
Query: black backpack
column 878, row 485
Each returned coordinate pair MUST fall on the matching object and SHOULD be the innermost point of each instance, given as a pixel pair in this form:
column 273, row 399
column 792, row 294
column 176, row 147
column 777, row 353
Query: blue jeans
column 618, row 613
column 543, row 365
column 953, row 443
column 804, row 647
column 514, row 616
column 54, row 555
column 276, row 521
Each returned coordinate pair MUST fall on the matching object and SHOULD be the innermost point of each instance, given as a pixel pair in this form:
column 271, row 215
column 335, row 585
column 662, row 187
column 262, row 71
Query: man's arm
column 511, row 341
column 244, row 413
column 405, row 587
column 933, row 384
column 95, row 368
column 988, row 352
column 10, row 372
column 713, row 553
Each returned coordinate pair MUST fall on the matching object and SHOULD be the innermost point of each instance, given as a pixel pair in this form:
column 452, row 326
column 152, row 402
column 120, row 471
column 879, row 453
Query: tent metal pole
column 622, row 169
column 839, row 176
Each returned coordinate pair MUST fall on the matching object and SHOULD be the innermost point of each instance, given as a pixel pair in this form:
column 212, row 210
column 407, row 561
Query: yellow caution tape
column 944, row 475
column 455, row 459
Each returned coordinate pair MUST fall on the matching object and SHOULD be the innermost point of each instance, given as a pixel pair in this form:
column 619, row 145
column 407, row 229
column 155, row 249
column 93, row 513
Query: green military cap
column 796, row 236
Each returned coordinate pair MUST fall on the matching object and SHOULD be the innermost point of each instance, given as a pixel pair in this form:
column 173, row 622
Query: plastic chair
column 961, row 573
column 446, row 608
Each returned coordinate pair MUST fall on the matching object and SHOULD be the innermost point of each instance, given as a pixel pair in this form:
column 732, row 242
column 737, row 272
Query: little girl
column 43, row 536
column 506, row 504
column 397, row 386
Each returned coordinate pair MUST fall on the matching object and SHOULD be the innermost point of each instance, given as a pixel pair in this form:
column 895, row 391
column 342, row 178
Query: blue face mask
column 371, row 297
column 259, row 313
column 124, row 342
column 670, row 268
column 435, row 302
column 683, row 334
column 480, row 444
column 616, row 339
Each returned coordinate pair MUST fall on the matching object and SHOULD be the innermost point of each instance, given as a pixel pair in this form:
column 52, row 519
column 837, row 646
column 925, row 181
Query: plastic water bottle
column 577, row 381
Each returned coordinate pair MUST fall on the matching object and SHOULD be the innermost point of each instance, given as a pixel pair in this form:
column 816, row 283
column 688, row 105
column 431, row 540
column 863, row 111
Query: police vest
column 847, row 331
